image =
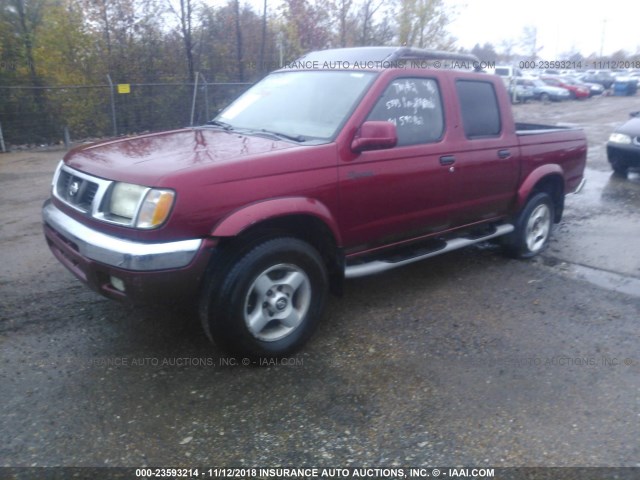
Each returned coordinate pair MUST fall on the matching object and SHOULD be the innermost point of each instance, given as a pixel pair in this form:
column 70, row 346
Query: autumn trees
column 162, row 47
column 80, row 41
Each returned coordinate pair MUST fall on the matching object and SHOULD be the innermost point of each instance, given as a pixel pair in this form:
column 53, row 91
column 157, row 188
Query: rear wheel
column 270, row 301
column 533, row 228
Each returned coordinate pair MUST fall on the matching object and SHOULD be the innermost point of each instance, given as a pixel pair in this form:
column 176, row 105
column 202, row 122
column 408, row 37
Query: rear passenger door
column 486, row 158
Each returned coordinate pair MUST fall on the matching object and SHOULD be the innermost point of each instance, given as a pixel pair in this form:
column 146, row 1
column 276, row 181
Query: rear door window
column 479, row 108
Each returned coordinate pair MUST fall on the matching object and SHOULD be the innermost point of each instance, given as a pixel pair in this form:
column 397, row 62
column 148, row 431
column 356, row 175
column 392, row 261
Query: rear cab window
column 479, row 108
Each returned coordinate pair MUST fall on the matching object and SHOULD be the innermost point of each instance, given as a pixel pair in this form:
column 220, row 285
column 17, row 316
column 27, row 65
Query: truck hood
column 147, row 159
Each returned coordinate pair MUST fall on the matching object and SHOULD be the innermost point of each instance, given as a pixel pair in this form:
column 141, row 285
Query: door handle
column 504, row 153
column 447, row 160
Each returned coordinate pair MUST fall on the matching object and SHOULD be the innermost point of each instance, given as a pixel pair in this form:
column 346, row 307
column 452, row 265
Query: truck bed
column 553, row 144
column 536, row 128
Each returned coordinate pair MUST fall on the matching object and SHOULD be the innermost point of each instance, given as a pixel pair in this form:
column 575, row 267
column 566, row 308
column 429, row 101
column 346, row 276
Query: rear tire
column 270, row 302
column 532, row 228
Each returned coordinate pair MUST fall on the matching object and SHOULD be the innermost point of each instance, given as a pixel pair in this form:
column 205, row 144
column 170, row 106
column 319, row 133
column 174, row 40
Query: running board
column 377, row 266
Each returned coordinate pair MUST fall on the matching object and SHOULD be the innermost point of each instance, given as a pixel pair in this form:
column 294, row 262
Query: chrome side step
column 580, row 186
column 377, row 266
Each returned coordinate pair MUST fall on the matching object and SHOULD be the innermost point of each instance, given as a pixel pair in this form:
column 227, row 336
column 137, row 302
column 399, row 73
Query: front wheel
column 532, row 229
column 619, row 166
column 270, row 301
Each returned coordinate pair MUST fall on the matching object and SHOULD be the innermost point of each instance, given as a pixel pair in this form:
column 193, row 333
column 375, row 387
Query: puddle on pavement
column 608, row 280
column 602, row 278
column 607, row 189
column 591, row 248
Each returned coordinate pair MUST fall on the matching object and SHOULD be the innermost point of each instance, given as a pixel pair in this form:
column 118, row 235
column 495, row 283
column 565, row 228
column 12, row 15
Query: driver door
column 402, row 192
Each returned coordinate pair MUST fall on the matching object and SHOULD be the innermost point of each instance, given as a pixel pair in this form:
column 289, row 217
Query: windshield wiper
column 249, row 131
column 218, row 123
column 294, row 138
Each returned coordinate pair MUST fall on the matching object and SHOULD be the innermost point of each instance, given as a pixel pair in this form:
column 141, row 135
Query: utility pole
column 113, row 107
column 604, row 27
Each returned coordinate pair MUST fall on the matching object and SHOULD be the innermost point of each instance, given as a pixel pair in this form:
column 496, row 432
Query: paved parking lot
column 466, row 359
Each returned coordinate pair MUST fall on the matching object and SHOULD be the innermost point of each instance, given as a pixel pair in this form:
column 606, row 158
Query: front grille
column 80, row 190
column 86, row 193
column 76, row 191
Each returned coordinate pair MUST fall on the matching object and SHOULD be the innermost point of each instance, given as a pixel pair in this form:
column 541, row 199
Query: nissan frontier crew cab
column 346, row 163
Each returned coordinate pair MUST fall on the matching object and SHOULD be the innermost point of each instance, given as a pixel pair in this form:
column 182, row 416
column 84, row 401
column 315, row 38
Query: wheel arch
column 302, row 218
column 249, row 216
column 549, row 179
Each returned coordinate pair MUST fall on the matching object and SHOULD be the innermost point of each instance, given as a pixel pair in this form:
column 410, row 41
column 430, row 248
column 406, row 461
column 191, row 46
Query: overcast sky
column 562, row 25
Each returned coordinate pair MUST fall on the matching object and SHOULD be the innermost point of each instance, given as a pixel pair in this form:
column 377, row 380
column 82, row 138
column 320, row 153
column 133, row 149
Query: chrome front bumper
column 118, row 252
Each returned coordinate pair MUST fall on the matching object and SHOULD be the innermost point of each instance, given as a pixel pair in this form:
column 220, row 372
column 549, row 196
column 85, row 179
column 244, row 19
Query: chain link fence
column 60, row 114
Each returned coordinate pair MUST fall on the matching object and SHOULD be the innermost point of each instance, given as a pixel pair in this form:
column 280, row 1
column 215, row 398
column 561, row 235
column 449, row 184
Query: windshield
column 299, row 105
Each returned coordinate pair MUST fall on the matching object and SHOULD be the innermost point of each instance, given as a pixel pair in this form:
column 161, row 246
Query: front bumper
column 628, row 154
column 142, row 271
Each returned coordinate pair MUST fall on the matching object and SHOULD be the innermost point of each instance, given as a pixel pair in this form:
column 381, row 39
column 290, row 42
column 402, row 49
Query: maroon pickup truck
column 345, row 163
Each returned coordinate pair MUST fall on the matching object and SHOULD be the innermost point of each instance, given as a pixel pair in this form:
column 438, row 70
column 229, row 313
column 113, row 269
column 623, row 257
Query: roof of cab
column 375, row 57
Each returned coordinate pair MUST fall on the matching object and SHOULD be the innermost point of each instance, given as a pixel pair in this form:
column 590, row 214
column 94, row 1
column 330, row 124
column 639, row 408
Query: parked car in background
column 542, row 91
column 634, row 76
column 594, row 88
column 603, row 78
column 623, row 147
column 507, row 71
column 520, row 93
column 576, row 90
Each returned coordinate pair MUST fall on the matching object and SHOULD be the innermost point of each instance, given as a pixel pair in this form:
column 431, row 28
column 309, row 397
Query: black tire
column 544, row 98
column 532, row 228
column 619, row 166
column 270, row 302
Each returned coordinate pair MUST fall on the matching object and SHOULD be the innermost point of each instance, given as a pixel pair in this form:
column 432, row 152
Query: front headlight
column 138, row 206
column 620, row 138
column 124, row 200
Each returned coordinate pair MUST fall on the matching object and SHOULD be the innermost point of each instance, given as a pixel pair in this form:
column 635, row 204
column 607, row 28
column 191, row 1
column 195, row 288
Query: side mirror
column 375, row 136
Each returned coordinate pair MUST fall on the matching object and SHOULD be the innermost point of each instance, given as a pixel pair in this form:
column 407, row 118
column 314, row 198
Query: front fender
column 239, row 220
column 550, row 169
